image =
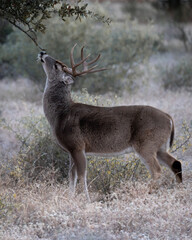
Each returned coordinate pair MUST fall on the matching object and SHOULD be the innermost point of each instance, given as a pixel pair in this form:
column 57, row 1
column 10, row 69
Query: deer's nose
column 42, row 53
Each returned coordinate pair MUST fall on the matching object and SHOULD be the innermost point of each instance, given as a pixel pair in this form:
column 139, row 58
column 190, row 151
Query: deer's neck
column 56, row 101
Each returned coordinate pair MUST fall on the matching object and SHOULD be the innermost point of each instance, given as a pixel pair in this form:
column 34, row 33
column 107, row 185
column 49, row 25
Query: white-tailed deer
column 81, row 129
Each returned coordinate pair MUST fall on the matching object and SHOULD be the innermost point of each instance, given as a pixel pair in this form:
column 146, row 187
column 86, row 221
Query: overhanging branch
column 27, row 33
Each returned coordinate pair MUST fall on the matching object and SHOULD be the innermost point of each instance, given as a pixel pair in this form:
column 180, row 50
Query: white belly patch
column 125, row 151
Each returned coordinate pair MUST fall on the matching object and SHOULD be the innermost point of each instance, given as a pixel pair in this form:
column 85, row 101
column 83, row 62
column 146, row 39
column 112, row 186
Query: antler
column 83, row 61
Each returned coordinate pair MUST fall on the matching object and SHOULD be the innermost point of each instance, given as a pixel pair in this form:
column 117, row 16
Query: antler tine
column 91, row 62
column 82, row 61
column 98, row 70
column 91, row 70
column 94, row 60
column 82, row 52
column 86, row 70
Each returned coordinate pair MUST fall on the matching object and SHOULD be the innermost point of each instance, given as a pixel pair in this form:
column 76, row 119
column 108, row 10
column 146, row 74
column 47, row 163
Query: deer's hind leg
column 80, row 162
column 148, row 156
column 172, row 163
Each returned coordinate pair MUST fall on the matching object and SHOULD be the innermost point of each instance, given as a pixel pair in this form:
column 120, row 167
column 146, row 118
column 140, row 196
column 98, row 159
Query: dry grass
column 20, row 90
column 44, row 211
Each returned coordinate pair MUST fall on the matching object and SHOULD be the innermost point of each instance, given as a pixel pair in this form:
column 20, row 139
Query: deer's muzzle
column 41, row 56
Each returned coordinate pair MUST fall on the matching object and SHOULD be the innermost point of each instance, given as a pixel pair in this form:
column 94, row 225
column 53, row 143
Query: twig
column 182, row 144
column 17, row 26
column 93, row 180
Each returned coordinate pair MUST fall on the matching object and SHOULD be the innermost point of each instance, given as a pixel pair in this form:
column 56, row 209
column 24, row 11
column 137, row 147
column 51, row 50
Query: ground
column 46, row 212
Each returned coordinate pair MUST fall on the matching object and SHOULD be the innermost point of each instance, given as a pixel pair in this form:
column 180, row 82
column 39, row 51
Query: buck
column 82, row 129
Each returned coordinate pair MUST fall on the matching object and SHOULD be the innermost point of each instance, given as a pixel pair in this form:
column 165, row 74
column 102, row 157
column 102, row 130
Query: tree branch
column 33, row 39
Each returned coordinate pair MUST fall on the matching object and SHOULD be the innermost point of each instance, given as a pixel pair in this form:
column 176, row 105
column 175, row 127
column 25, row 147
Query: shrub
column 178, row 76
column 38, row 157
column 183, row 142
column 106, row 174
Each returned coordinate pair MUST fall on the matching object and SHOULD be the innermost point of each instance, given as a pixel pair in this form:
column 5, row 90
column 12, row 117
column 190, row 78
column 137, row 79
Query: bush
column 178, row 76
column 183, row 143
column 106, row 174
column 38, row 157
column 123, row 46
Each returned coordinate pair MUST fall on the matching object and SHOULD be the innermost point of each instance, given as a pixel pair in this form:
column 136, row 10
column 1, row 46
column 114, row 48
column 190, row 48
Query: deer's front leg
column 80, row 163
column 72, row 176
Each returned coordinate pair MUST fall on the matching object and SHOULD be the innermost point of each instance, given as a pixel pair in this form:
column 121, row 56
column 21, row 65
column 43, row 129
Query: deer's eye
column 56, row 66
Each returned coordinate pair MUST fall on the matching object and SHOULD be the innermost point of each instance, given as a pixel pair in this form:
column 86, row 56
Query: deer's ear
column 57, row 66
column 67, row 80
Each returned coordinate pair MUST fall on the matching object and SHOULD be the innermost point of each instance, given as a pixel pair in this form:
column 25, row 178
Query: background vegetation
column 120, row 46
